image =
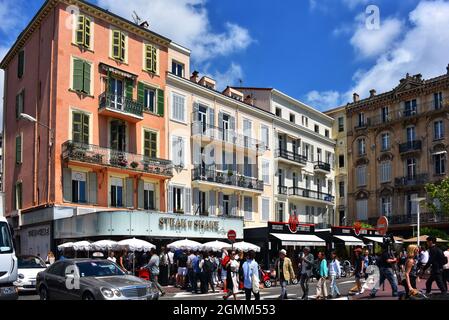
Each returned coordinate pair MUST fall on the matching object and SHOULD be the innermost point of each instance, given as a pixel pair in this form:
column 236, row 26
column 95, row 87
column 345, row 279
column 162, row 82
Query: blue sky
column 319, row 51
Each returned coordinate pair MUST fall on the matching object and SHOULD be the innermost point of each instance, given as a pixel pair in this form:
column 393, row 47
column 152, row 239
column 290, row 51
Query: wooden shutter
column 160, row 102
column 129, row 193
column 154, row 60
column 129, row 88
column 19, row 149
column 233, row 205
column 78, row 74
column 141, row 93
column 85, row 130
column 80, row 30
column 148, row 57
column 87, row 32
column 187, row 201
column 196, row 200
column 20, row 102
column 21, row 64
column 116, row 38
column 67, row 184
column 140, row 194
column 211, row 117
column 212, row 203
column 122, row 46
column 220, row 120
column 86, row 77
column 92, row 186
column 170, row 199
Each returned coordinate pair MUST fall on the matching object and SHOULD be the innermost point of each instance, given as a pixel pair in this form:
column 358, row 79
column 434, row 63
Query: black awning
column 117, row 71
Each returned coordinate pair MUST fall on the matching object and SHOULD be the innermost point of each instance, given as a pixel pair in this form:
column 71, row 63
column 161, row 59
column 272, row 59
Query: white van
column 8, row 263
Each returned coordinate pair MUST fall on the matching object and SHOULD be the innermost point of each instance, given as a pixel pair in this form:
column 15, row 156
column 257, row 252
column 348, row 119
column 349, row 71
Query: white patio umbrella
column 67, row 245
column 185, row 244
column 136, row 245
column 82, row 246
column 104, row 245
column 246, row 246
column 215, row 246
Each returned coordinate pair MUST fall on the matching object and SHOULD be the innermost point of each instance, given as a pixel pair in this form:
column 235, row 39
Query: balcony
column 311, row 194
column 426, row 218
column 283, row 190
column 417, row 180
column 410, row 146
column 230, row 178
column 96, row 155
column 290, row 156
column 211, row 133
column 120, row 107
column 322, row 167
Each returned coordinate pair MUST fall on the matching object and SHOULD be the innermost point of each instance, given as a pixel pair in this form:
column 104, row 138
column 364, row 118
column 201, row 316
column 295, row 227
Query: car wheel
column 43, row 293
column 88, row 296
column 267, row 284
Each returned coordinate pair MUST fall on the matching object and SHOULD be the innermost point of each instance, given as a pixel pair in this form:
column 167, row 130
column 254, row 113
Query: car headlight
column 108, row 293
column 117, row 292
column 21, row 276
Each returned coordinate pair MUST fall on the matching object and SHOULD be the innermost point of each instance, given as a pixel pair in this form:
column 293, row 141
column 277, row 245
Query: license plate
column 33, row 282
column 8, row 290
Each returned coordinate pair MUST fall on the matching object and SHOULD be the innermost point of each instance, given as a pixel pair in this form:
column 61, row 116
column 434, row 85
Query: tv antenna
column 136, row 18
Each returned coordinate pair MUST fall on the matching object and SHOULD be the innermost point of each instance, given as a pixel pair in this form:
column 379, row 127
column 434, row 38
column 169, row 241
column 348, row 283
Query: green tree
column 434, row 232
column 439, row 192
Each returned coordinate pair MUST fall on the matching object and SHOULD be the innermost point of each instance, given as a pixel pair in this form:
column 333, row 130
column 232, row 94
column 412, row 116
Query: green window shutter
column 122, row 46
column 140, row 92
column 154, row 61
column 19, row 149
column 109, row 82
column 86, row 77
column 148, row 57
column 129, row 88
column 80, row 30
column 146, row 144
column 76, row 127
column 153, row 144
column 78, row 74
column 160, row 102
column 85, row 132
column 21, row 64
column 87, row 32
column 116, row 44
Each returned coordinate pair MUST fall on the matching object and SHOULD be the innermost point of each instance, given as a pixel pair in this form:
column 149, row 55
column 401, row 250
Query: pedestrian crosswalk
column 240, row 296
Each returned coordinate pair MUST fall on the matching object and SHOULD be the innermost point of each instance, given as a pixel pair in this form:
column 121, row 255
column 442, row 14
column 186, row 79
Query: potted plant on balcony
column 134, row 164
column 242, row 181
column 230, row 174
column 119, row 160
column 220, row 177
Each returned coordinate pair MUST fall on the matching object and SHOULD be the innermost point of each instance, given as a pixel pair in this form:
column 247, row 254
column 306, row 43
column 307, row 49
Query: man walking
column 386, row 265
column 446, row 268
column 437, row 261
column 307, row 261
column 321, row 286
column 153, row 266
column 251, row 277
column 334, row 272
column 284, row 272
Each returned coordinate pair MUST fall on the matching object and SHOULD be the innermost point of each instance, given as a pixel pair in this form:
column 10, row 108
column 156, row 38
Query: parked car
column 29, row 267
column 92, row 279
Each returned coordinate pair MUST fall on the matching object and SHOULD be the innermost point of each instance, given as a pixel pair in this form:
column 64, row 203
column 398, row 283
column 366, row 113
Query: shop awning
column 350, row 240
column 375, row 239
column 299, row 239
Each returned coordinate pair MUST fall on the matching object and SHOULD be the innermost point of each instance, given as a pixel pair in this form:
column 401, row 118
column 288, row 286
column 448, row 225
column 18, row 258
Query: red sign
column 293, row 222
column 357, row 227
column 382, row 225
column 232, row 235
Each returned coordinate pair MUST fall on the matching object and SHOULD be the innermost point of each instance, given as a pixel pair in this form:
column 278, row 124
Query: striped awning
column 118, row 72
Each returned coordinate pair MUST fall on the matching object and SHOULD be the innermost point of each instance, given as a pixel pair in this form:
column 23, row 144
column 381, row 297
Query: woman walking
column 334, row 272
column 321, row 286
column 411, row 271
column 232, row 270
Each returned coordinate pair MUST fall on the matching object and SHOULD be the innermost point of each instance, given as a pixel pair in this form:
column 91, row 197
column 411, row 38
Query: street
column 294, row 293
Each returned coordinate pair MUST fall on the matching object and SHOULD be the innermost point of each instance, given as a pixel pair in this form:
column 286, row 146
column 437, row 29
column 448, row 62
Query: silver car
column 92, row 279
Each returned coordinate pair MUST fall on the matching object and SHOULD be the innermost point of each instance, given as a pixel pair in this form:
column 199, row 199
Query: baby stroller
column 265, row 277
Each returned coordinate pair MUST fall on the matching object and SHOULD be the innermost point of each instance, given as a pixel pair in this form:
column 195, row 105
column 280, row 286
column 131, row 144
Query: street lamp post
column 418, row 213
column 29, row 118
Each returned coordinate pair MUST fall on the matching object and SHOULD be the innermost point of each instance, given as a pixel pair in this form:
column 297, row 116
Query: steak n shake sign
column 186, row 224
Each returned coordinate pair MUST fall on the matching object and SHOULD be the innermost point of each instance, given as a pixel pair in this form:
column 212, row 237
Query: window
column 361, row 176
column 20, row 64
column 80, row 127
column 385, row 171
column 385, row 114
column 280, row 212
column 440, row 163
column 317, row 128
column 18, row 196
column 177, row 68
column 265, row 135
column 266, row 171
column 278, row 112
column 362, row 146
column 265, row 209
column 118, row 45
column 202, row 197
column 341, row 124
column 341, row 189
column 411, row 134
column 411, row 168
column 438, row 130
column 178, row 107
column 20, row 103
column 149, row 196
column 361, row 119
column 83, row 31
column 341, row 161
column 81, row 76
column 319, row 154
column 150, row 144
column 385, row 203
column 410, row 108
column 247, row 132
column 326, row 133
column 305, row 121
column 330, row 186
column 248, row 208
column 292, row 117
column 116, row 192
column 362, row 210
column 438, row 100
column 147, row 96
column 385, row 141
column 178, row 199
column 150, row 58
column 178, row 151
column 19, row 149
column 78, row 187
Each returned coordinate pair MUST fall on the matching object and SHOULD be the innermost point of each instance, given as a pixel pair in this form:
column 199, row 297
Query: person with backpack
column 322, row 274
column 307, row 261
column 436, row 260
column 181, row 262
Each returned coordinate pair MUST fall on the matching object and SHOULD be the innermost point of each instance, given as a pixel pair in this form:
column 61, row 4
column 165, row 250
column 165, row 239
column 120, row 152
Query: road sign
column 382, row 225
column 232, row 235
column 357, row 227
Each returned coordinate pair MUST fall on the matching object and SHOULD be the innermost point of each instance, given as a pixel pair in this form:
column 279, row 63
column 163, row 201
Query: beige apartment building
column 397, row 143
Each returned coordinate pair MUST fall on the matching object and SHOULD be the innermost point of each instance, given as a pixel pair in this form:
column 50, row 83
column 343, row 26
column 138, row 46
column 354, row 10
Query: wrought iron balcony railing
column 292, row 156
column 312, row 194
column 416, row 180
column 409, row 219
column 121, row 104
column 409, row 146
column 323, row 166
column 229, row 178
column 283, row 190
column 88, row 153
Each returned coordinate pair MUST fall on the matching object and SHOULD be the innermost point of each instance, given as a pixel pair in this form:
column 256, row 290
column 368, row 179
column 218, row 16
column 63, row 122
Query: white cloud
column 354, row 3
column 9, row 15
column 3, row 51
column 371, row 43
column 230, row 77
column 187, row 23
column 323, row 100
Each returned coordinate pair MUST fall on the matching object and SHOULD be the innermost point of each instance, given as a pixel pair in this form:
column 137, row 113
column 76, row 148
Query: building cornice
column 303, row 131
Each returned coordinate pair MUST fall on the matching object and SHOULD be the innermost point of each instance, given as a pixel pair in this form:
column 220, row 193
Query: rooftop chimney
column 194, row 76
column 356, row 97
column 372, row 93
column 145, row 25
column 249, row 100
